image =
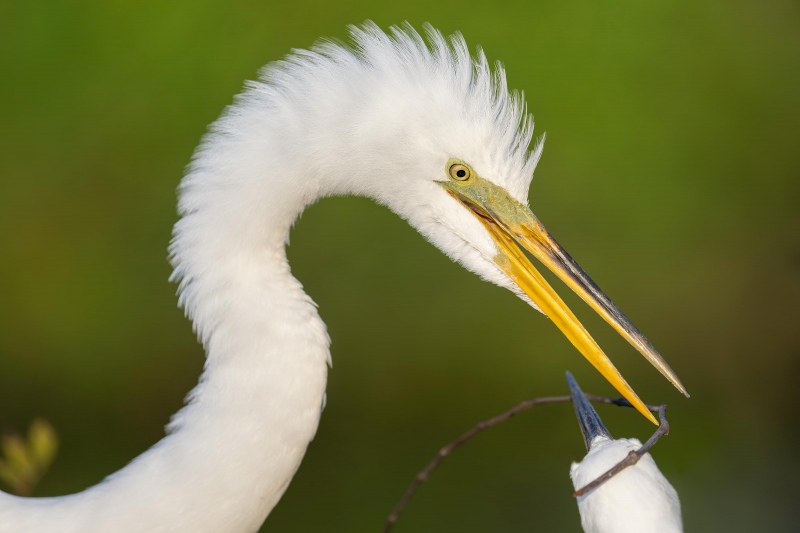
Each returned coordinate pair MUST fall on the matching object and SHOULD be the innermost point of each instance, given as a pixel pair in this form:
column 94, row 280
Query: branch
column 446, row 450
column 423, row 475
column 633, row 456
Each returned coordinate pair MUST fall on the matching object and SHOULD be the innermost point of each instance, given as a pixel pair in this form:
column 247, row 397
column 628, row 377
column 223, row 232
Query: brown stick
column 446, row 450
column 633, row 456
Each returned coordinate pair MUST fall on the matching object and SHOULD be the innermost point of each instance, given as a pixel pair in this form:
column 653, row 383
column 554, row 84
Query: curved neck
column 233, row 449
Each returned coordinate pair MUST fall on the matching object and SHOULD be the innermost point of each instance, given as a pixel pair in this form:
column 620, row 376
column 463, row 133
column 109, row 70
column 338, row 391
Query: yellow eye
column 459, row 172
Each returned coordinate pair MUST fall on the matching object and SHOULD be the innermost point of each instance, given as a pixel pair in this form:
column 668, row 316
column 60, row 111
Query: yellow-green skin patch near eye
column 484, row 197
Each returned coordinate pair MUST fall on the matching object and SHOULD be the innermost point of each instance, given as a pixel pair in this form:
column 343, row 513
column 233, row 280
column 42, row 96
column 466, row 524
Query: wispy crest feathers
column 449, row 56
column 403, row 56
column 319, row 117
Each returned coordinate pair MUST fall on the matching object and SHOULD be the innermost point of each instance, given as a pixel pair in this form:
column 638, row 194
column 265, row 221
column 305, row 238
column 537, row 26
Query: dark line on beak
column 560, row 256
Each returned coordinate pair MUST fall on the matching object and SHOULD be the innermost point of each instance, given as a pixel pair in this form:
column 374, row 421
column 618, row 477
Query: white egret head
column 442, row 142
column 423, row 128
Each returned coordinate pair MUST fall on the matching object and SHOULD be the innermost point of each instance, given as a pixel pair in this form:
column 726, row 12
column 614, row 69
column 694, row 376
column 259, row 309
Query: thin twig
column 633, row 456
column 446, row 450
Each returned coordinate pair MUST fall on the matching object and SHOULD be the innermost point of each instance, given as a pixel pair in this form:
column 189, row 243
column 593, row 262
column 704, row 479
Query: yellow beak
column 507, row 221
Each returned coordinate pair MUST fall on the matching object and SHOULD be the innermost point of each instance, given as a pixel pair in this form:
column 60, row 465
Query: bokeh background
column 670, row 172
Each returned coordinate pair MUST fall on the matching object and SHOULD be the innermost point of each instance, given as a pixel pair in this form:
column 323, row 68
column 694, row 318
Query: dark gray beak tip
column 588, row 419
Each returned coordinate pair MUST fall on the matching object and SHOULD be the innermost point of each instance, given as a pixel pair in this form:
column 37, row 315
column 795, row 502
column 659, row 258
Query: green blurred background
column 670, row 173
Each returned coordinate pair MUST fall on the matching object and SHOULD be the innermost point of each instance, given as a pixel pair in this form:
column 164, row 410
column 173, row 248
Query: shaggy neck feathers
column 322, row 122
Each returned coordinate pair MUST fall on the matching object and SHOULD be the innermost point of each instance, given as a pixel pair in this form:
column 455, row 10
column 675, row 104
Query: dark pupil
column 461, row 173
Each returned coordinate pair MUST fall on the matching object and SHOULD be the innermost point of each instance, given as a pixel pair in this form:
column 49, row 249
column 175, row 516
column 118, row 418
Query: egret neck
column 233, row 449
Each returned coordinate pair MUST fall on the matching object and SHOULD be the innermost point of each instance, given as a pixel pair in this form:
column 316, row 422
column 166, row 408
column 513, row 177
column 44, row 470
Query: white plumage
column 383, row 120
column 639, row 499
column 380, row 121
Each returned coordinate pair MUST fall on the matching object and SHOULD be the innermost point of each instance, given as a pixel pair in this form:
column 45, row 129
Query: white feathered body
column 639, row 499
column 380, row 121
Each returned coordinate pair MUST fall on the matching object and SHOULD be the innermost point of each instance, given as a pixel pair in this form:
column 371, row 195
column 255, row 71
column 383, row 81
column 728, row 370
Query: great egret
column 639, row 499
column 424, row 129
